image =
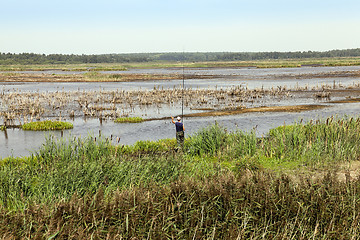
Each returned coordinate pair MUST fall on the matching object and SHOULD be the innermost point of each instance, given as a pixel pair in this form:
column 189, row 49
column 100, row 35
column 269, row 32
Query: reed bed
column 19, row 108
column 224, row 185
column 23, row 107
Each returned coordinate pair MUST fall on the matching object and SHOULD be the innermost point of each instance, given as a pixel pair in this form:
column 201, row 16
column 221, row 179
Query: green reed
column 218, row 187
column 129, row 120
column 320, row 142
column 61, row 168
column 47, row 125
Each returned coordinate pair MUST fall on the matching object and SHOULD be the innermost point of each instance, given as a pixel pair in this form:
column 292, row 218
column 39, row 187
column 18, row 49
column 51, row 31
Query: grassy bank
column 271, row 63
column 225, row 185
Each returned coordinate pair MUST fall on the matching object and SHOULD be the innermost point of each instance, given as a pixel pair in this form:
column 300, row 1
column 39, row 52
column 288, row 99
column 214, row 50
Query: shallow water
column 166, row 84
column 247, row 77
column 21, row 143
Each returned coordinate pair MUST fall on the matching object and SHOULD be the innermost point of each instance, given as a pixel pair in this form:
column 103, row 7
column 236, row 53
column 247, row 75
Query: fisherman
column 180, row 129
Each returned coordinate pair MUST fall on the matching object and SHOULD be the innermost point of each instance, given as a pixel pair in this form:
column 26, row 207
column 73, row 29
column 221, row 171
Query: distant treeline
column 32, row 58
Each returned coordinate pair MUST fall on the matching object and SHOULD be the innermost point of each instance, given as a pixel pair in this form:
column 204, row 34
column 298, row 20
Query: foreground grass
column 47, row 125
column 223, row 187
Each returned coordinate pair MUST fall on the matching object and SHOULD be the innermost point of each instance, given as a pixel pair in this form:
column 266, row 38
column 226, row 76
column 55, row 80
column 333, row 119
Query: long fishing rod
column 183, row 84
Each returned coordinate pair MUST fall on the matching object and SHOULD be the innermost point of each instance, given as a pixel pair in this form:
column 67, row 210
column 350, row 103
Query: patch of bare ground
column 349, row 171
column 344, row 172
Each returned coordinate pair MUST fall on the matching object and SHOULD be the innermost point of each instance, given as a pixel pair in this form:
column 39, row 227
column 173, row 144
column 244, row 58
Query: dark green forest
column 32, row 58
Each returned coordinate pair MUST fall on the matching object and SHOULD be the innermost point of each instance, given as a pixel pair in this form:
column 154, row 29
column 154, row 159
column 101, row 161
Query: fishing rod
column 183, row 84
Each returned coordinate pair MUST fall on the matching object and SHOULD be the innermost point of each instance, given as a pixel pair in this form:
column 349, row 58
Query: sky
column 139, row 26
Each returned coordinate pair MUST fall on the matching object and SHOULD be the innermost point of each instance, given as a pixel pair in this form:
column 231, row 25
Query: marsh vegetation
column 46, row 125
column 23, row 107
column 296, row 182
column 129, row 120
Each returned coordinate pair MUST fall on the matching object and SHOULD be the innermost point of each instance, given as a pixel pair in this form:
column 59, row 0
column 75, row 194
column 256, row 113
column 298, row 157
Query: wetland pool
column 16, row 142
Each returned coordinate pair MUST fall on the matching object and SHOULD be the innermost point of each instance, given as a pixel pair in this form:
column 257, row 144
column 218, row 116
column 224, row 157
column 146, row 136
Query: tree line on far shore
column 33, row 58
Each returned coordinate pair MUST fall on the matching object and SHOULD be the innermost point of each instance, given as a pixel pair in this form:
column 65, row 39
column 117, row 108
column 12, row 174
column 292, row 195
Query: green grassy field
column 272, row 63
column 223, row 185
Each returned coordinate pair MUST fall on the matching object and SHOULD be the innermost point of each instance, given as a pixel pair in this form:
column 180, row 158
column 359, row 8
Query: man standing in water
column 180, row 129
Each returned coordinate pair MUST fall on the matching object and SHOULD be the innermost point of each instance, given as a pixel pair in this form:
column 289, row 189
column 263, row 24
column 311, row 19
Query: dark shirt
column 179, row 127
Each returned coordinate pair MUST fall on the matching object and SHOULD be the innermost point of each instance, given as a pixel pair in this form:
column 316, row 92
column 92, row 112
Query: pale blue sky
column 109, row 26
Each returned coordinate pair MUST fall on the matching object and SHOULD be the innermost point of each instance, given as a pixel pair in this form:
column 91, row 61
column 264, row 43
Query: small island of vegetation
column 47, row 125
column 129, row 120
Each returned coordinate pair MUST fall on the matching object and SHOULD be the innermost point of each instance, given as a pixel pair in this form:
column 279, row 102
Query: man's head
column 178, row 118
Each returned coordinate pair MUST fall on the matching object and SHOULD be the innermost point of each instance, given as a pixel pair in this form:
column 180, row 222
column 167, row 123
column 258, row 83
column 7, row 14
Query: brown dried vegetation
column 223, row 207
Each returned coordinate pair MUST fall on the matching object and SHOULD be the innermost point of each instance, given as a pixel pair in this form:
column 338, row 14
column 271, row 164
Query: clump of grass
column 207, row 141
column 315, row 143
column 61, row 168
column 47, row 125
column 94, row 75
column 129, row 120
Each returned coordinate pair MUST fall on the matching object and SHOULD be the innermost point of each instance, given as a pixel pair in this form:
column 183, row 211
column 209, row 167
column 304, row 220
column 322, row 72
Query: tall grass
column 255, row 206
column 218, row 187
column 61, row 168
column 321, row 142
column 94, row 75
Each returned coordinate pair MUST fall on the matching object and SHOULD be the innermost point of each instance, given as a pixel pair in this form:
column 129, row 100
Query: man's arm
column 172, row 119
